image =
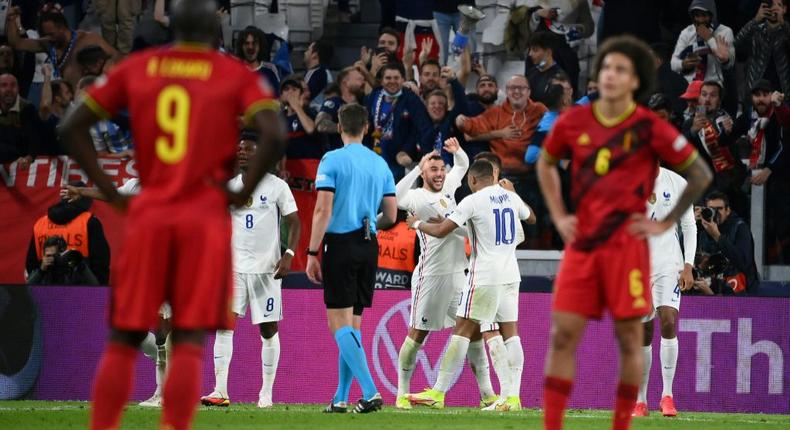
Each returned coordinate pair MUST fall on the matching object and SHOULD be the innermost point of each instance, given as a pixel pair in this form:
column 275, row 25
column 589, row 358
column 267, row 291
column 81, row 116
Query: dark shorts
column 349, row 269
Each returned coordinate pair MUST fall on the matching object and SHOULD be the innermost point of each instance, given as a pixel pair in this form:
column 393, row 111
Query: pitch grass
column 74, row 415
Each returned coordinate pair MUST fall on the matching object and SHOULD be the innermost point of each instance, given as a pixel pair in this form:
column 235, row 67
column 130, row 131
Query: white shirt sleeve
column 130, row 187
column 285, row 200
column 403, row 189
column 455, row 176
column 689, row 228
column 462, row 212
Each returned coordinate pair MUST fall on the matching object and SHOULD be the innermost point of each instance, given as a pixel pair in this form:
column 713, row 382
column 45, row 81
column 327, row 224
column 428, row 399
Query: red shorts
column 183, row 259
column 615, row 275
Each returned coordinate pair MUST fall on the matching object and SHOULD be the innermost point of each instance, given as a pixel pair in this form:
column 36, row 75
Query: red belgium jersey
column 184, row 102
column 613, row 165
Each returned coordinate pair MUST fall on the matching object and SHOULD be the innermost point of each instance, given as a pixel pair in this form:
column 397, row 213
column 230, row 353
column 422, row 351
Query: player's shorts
column 615, row 275
column 178, row 257
column 665, row 291
column 434, row 300
column 261, row 292
column 165, row 311
column 486, row 303
column 349, row 268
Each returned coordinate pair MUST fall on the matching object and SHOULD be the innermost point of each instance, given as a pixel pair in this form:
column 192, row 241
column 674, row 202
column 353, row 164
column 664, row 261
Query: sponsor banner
column 733, row 353
column 26, row 194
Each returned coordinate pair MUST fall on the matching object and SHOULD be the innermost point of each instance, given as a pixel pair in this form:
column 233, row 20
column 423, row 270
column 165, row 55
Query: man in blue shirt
column 353, row 183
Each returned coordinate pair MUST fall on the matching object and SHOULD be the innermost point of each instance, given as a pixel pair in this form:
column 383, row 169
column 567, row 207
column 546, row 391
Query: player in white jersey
column 491, row 294
column 438, row 279
column 258, row 267
column 156, row 345
column 670, row 274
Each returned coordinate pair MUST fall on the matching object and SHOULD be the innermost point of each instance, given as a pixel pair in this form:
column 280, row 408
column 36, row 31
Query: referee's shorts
column 349, row 270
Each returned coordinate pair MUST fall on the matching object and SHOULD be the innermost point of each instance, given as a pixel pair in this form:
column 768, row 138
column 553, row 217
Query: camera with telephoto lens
column 710, row 214
column 69, row 258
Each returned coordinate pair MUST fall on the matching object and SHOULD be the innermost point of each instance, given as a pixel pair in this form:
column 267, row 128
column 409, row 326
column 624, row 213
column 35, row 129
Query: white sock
column 515, row 358
column 452, row 360
column 270, row 357
column 669, row 361
column 161, row 368
column 149, row 346
column 498, row 351
column 407, row 359
column 647, row 352
column 479, row 361
column 223, row 351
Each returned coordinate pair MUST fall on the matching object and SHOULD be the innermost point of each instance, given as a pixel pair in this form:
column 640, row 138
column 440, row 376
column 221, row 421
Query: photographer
column 725, row 252
column 61, row 266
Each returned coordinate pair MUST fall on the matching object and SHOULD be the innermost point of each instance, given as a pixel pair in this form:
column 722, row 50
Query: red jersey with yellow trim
column 184, row 102
column 613, row 165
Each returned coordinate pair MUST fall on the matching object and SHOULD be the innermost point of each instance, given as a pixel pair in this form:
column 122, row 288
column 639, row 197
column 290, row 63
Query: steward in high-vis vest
column 397, row 256
column 81, row 230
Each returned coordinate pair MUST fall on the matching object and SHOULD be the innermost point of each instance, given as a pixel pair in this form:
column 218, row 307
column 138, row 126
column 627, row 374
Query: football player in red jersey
column 184, row 102
column 614, row 146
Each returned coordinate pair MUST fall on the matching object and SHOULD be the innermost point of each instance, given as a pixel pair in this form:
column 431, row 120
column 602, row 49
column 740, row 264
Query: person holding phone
column 705, row 48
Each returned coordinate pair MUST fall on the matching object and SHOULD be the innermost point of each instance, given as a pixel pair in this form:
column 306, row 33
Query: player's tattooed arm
column 324, row 123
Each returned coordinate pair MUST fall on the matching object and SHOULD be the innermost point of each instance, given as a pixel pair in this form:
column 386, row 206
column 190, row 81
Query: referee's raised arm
column 354, row 184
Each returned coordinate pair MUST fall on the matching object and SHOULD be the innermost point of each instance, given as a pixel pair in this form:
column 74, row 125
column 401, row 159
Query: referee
column 353, row 182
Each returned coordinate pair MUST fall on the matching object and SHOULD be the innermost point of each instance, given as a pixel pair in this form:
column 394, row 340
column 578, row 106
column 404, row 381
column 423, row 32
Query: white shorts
column 261, row 292
column 434, row 300
column 484, row 327
column 165, row 311
column 490, row 303
column 666, row 292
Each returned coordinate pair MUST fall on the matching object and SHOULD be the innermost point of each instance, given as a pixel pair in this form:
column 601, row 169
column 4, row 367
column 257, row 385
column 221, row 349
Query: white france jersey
column 666, row 255
column 130, row 187
column 256, row 225
column 438, row 256
column 491, row 215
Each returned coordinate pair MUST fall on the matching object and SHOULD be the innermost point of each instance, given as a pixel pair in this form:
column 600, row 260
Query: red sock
column 112, row 385
column 555, row 396
column 626, row 399
column 182, row 387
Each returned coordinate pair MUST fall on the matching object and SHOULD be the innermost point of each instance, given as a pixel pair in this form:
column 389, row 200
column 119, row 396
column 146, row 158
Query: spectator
column 7, row 60
column 388, row 41
column 668, row 82
column 711, row 131
column 386, row 52
column 251, row 47
column 81, row 229
column 766, row 39
column 446, row 15
column 61, row 266
column 59, row 41
column 442, row 115
column 117, row 18
column 18, row 135
column 764, row 125
column 110, row 139
column 92, row 60
column 545, row 68
column 430, row 71
column 56, row 98
column 351, row 86
column 725, row 250
column 661, row 106
column 300, row 120
column 558, row 99
column 317, row 77
column 691, row 98
column 705, row 47
column 571, row 19
column 400, row 121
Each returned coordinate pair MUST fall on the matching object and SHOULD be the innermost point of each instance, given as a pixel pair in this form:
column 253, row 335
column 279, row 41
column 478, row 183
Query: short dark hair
column 58, row 84
column 86, row 81
column 492, row 158
column 393, row 66
column 391, row 31
column 249, row 134
column 716, row 84
column 56, row 240
column 659, row 101
column 291, row 82
column 553, row 97
column 54, row 17
column 481, row 169
column 352, row 118
column 718, row 195
column 561, row 76
column 542, row 39
column 430, row 62
column 324, row 50
column 641, row 58
column 91, row 54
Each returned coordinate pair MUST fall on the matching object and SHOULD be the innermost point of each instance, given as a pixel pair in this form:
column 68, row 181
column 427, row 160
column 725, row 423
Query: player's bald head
column 195, row 21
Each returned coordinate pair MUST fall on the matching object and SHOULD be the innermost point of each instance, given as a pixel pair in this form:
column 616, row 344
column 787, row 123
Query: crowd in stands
column 723, row 75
